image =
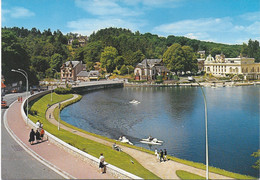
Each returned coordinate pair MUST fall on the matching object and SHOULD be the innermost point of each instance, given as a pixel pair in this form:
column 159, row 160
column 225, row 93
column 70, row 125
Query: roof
column 83, row 74
column 151, row 62
column 162, row 68
column 74, row 63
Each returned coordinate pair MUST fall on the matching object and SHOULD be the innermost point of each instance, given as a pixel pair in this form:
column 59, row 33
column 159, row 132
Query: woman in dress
column 32, row 138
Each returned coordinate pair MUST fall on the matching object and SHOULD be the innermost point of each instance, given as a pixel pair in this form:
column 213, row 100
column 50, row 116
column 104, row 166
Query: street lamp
column 21, row 71
column 206, row 126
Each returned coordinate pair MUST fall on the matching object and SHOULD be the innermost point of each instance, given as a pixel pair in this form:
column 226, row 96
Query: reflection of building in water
column 222, row 66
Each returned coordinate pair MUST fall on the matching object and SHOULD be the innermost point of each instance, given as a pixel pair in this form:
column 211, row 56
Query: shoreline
column 203, row 84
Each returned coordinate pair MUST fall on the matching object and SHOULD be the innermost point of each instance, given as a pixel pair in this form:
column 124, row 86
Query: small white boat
column 123, row 139
column 151, row 142
column 134, row 102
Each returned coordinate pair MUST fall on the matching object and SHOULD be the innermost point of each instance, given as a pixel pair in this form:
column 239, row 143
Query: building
column 82, row 40
column 70, row 69
column 148, row 69
column 88, row 76
column 222, row 66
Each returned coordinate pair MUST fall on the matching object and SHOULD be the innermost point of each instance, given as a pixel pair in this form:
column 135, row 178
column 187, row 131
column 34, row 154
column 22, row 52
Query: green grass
column 119, row 159
column 187, row 175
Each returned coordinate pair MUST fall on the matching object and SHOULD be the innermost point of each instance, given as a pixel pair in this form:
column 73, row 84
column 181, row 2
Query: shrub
column 61, row 90
column 159, row 81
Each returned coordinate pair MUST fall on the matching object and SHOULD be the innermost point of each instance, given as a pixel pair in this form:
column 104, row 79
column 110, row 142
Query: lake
column 176, row 116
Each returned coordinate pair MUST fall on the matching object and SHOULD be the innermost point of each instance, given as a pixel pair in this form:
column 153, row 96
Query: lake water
column 176, row 116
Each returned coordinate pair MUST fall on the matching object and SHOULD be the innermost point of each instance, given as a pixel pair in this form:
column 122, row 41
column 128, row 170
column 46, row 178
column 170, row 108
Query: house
column 148, row 69
column 82, row 40
column 88, row 76
column 221, row 66
column 70, row 69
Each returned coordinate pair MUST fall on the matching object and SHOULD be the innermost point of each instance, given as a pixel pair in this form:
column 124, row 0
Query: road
column 16, row 163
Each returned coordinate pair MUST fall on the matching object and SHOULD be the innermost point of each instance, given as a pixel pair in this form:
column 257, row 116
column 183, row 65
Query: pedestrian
column 41, row 125
column 37, row 134
column 32, row 138
column 38, row 124
column 18, row 98
column 155, row 152
column 165, row 155
column 50, row 116
column 42, row 134
column 161, row 155
column 102, row 165
column 21, row 99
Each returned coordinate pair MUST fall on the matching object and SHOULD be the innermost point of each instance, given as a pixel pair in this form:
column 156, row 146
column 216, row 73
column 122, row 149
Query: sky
column 221, row 21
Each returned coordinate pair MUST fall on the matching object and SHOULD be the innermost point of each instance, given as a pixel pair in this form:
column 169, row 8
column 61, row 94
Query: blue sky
column 223, row 21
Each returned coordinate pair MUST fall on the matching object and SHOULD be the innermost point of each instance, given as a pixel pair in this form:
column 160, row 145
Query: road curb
column 32, row 153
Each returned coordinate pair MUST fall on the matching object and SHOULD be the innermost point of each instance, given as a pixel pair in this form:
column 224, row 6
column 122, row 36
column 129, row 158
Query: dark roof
column 151, row 62
column 74, row 63
column 83, row 74
column 162, row 68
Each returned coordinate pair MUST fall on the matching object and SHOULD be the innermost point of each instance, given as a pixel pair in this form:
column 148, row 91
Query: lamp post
column 21, row 71
column 206, row 126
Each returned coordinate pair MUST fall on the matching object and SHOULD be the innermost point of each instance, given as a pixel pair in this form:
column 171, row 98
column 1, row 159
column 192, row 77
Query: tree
column 190, row 60
column 256, row 155
column 174, row 58
column 108, row 57
column 92, row 52
column 13, row 57
column 56, row 61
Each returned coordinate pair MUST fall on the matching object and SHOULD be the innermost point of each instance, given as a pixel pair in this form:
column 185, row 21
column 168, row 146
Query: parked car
column 3, row 104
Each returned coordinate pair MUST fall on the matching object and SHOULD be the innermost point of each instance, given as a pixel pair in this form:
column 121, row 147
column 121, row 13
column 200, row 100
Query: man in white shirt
column 102, row 165
column 38, row 124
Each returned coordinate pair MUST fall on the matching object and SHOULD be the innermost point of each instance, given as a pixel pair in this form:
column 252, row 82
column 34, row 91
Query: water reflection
column 176, row 115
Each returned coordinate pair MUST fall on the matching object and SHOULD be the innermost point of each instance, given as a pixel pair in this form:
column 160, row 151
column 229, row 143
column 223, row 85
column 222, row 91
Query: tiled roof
column 83, row 74
column 74, row 63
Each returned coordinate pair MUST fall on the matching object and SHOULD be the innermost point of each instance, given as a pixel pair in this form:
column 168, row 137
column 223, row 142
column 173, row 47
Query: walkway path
column 66, row 164
column 165, row 170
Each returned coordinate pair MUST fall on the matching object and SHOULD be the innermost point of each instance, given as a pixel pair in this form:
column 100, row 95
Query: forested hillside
column 39, row 53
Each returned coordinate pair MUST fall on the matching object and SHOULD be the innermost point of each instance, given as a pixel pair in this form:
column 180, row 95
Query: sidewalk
column 165, row 170
column 65, row 163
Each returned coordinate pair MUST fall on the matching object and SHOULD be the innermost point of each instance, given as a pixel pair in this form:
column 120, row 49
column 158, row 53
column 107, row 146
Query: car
column 4, row 104
column 14, row 91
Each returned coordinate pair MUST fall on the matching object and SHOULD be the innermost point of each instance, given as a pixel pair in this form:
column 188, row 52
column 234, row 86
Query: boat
column 123, row 139
column 134, row 102
column 151, row 140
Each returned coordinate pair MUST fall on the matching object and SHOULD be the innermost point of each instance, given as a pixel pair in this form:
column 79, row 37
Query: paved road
column 16, row 163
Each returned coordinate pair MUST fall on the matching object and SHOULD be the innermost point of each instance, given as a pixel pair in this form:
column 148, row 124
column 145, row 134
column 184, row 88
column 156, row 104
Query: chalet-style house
column 75, row 70
column 148, row 69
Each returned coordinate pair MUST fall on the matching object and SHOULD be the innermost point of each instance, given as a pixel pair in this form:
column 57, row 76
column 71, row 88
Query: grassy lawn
column 119, row 159
column 187, row 175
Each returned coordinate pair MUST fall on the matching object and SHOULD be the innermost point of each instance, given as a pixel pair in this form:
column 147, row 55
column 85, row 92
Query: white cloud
column 252, row 16
column 88, row 26
column 254, row 28
column 105, row 8
column 16, row 12
column 196, row 26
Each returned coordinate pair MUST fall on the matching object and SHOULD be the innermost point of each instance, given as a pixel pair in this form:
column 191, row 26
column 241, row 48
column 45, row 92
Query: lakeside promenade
column 165, row 170
column 61, row 161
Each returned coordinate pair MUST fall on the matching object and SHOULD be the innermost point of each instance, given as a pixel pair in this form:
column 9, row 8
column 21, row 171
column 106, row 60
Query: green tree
column 108, row 57
column 92, row 51
column 174, row 58
column 13, row 57
column 56, row 61
column 190, row 60
column 256, row 155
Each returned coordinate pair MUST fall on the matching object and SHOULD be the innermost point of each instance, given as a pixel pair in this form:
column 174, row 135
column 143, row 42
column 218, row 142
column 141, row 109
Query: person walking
column 155, row 152
column 165, row 155
column 32, row 137
column 102, row 165
column 161, row 155
column 38, row 124
column 42, row 134
column 37, row 134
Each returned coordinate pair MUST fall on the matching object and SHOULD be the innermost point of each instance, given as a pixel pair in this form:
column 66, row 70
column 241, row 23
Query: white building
column 221, row 66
